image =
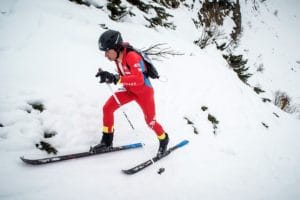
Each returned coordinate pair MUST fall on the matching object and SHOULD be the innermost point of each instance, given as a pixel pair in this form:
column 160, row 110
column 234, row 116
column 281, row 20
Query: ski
column 149, row 162
column 79, row 155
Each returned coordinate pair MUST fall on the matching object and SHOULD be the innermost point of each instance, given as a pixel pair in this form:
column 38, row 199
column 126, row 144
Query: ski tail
column 79, row 155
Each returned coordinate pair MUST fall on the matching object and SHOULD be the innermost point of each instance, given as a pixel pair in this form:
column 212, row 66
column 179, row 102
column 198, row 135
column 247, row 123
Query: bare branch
column 156, row 51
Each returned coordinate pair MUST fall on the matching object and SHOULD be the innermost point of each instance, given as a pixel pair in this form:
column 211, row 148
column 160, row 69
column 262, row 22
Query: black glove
column 107, row 77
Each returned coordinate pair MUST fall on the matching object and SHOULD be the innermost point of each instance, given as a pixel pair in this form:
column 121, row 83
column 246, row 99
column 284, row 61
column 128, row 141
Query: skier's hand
column 107, row 77
column 98, row 73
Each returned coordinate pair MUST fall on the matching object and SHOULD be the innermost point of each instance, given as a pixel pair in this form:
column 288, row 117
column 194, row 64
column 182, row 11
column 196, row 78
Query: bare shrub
column 285, row 103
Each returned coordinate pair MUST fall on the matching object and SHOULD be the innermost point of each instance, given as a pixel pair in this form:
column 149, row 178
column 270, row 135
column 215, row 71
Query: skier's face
column 111, row 54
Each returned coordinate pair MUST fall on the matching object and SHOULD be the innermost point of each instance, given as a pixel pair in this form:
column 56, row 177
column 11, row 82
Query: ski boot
column 106, row 142
column 163, row 145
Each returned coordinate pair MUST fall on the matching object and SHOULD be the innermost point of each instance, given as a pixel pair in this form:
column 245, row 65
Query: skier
column 138, row 88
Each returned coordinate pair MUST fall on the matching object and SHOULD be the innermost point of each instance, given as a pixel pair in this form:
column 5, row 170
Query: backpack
column 151, row 70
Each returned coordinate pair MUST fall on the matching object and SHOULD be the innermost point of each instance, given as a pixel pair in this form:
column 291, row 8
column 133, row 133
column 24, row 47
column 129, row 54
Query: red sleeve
column 136, row 78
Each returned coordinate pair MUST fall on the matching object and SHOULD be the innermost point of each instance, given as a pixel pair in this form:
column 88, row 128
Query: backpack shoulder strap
column 130, row 48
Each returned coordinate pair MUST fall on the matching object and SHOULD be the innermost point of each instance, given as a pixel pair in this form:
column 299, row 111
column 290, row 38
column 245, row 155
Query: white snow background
column 49, row 55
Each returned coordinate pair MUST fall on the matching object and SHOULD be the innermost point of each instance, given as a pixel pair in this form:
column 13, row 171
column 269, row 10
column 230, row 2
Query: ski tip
column 28, row 161
column 126, row 171
column 182, row 143
column 24, row 159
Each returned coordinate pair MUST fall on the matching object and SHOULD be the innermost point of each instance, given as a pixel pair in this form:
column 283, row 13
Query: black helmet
column 110, row 40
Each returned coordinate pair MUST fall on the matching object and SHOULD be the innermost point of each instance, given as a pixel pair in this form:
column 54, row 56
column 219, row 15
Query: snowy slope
column 271, row 40
column 52, row 56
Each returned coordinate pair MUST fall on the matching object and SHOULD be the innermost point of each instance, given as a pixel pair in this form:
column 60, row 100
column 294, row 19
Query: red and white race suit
column 138, row 88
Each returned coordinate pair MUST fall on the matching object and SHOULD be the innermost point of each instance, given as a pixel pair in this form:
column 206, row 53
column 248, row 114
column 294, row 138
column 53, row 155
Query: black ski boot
column 106, row 142
column 163, row 145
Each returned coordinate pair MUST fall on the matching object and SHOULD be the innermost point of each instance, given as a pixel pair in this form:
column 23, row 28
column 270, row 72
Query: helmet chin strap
column 118, row 55
column 118, row 50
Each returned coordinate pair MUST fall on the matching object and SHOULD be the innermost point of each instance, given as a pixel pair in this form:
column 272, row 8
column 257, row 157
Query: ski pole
column 161, row 169
column 117, row 100
column 120, row 106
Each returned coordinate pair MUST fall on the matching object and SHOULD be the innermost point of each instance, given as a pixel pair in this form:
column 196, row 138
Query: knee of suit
column 151, row 123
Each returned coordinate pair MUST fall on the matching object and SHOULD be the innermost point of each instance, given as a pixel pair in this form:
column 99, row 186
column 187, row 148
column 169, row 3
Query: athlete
column 138, row 88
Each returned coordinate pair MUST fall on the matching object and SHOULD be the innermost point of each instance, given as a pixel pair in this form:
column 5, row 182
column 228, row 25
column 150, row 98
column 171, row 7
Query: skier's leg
column 147, row 104
column 110, row 107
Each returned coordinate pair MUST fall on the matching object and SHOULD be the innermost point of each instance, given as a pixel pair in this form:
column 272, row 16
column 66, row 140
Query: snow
column 278, row 34
column 49, row 55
